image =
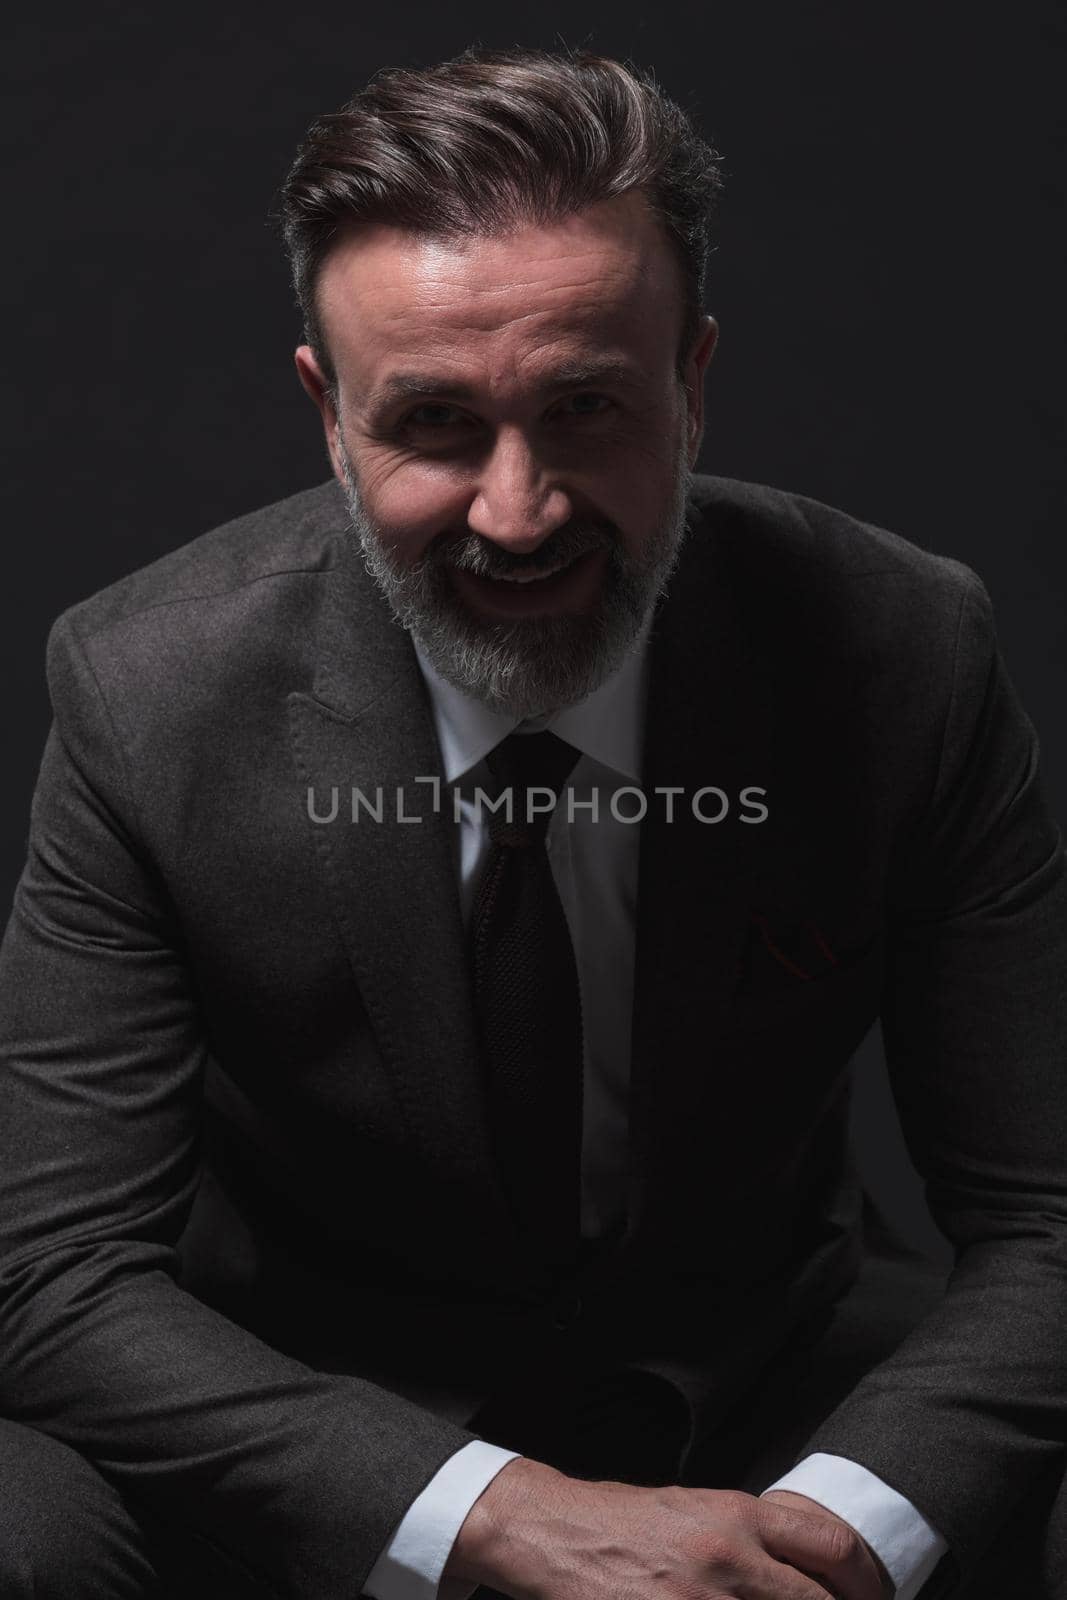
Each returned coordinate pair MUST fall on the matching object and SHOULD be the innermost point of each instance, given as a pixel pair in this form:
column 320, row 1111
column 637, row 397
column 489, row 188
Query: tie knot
column 521, row 762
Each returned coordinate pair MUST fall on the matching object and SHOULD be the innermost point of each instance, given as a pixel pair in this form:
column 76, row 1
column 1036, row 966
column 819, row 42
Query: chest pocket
column 771, row 997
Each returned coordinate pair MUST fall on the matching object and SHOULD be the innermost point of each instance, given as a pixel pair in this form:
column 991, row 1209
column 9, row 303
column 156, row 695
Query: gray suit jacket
column 255, row 1259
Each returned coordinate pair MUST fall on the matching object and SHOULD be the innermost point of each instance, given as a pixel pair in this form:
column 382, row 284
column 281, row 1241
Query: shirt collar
column 606, row 725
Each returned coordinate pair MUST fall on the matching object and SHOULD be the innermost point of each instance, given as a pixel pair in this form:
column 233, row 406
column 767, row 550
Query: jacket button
column 567, row 1312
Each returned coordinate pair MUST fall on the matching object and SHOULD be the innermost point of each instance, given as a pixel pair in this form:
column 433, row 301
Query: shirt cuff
column 410, row 1566
column 905, row 1543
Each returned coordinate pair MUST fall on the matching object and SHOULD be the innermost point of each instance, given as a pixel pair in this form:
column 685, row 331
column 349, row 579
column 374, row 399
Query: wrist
column 488, row 1548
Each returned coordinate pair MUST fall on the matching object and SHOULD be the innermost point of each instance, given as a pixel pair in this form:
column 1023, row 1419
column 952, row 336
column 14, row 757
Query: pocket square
column 781, row 952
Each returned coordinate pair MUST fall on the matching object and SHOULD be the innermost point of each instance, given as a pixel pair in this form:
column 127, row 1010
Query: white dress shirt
column 594, row 865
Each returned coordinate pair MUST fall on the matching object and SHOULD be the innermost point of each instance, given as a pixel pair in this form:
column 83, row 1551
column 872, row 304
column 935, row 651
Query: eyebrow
column 570, row 375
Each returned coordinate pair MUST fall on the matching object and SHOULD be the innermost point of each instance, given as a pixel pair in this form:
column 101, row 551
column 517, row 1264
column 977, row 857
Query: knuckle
column 672, row 1497
column 734, row 1503
column 719, row 1552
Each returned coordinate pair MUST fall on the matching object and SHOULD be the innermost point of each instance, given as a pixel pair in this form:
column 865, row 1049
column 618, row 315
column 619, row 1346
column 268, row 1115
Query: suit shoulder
column 214, row 623
column 295, row 535
column 788, row 544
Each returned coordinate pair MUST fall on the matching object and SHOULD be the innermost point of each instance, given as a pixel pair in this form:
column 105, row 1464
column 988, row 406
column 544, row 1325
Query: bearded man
column 454, row 897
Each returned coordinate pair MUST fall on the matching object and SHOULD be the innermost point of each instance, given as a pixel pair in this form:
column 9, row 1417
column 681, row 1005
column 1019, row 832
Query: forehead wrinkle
column 482, row 278
column 419, row 272
column 583, row 334
column 477, row 309
column 530, row 337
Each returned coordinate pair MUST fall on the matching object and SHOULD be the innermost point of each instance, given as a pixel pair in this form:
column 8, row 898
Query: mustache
column 472, row 553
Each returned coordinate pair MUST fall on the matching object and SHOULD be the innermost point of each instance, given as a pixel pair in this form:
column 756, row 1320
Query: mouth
column 571, row 587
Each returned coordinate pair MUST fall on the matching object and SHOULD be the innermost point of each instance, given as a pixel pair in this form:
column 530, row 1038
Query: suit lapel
column 367, row 726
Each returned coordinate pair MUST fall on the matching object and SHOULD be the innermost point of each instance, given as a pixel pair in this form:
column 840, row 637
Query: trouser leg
column 64, row 1531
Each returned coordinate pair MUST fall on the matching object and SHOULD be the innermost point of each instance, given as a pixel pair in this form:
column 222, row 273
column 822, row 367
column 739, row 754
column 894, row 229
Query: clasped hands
column 536, row 1534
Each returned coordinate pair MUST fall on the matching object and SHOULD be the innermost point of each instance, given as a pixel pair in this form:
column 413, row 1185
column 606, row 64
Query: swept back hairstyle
column 490, row 141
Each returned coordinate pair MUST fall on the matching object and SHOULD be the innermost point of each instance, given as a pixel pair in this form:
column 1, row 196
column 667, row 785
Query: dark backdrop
column 888, row 278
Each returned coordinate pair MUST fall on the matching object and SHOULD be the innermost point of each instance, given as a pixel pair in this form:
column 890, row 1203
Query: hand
column 536, row 1534
column 803, row 1502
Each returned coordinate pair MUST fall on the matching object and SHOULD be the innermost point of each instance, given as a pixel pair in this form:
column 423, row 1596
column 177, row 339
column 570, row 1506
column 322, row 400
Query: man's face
column 506, row 408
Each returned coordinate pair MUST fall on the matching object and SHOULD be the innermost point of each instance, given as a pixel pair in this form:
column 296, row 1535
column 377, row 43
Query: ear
column 316, row 385
column 700, row 355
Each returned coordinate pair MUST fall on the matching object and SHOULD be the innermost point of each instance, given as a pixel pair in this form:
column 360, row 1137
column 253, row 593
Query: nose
column 517, row 505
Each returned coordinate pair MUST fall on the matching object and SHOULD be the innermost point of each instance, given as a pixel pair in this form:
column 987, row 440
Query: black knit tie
column 528, row 1002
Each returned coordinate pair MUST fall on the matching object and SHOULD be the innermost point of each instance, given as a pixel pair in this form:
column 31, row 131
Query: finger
column 773, row 1580
column 823, row 1548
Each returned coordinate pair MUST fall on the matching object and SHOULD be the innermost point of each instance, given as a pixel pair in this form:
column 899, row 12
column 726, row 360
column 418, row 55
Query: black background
column 888, row 276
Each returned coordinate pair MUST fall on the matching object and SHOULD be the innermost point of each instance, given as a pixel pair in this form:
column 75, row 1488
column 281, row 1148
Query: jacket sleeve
column 971, row 1409
column 299, row 1476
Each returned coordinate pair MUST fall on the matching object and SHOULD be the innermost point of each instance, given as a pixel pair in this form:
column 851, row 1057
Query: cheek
column 410, row 502
column 634, row 489
column 640, row 461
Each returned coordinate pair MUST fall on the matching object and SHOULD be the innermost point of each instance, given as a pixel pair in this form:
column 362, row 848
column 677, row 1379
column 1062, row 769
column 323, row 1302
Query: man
column 400, row 1199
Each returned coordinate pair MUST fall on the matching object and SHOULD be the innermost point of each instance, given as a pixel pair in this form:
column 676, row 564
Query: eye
column 603, row 400
column 436, row 416
column 412, row 420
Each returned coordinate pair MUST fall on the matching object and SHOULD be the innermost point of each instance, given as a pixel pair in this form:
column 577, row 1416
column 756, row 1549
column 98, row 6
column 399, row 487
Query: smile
column 573, row 586
column 531, row 577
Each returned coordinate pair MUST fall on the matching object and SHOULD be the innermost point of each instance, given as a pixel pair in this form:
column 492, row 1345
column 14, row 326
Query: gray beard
column 525, row 666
